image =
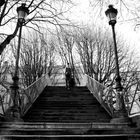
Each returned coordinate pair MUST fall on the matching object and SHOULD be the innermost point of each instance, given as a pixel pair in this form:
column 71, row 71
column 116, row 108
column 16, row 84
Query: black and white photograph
column 69, row 69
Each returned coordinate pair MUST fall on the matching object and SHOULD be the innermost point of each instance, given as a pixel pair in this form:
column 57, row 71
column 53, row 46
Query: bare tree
column 65, row 46
column 128, row 11
column 97, row 56
column 66, row 49
column 36, row 58
column 130, row 71
column 41, row 12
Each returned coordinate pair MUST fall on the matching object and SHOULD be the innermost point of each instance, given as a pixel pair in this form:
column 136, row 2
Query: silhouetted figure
column 68, row 76
column 72, row 81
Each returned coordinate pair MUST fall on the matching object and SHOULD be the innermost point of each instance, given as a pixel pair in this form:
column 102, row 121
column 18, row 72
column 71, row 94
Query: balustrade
column 26, row 96
column 107, row 97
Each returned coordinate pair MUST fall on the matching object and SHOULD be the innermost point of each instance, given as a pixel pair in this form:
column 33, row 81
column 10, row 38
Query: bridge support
column 120, row 113
column 13, row 112
column 13, row 115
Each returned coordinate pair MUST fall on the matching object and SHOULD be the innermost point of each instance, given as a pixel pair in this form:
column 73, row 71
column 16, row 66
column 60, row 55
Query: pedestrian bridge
column 105, row 96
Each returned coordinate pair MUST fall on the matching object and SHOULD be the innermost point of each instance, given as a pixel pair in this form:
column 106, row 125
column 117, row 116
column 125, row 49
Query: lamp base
column 13, row 114
column 121, row 116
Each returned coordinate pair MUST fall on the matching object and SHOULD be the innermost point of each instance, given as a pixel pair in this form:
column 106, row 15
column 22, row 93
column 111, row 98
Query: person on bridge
column 68, row 76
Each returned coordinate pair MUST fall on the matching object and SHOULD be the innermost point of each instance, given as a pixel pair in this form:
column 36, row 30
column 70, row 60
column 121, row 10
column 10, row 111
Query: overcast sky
column 83, row 12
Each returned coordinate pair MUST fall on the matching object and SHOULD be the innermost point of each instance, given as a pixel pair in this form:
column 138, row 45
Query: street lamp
column 120, row 112
column 14, row 111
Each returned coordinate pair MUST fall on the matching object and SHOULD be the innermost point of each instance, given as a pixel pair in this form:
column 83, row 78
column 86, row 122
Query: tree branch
column 8, row 39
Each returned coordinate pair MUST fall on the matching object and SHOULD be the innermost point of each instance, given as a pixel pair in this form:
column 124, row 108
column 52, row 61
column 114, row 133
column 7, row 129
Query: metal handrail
column 107, row 96
column 98, row 91
column 31, row 93
column 27, row 96
column 5, row 102
column 134, row 101
column 1, row 102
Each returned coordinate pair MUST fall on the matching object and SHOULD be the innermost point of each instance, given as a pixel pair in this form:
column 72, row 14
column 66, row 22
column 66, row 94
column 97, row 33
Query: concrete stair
column 60, row 114
column 57, row 104
column 70, row 131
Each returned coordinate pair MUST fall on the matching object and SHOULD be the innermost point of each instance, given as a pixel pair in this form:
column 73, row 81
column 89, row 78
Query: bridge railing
column 133, row 100
column 31, row 93
column 4, row 101
column 107, row 96
column 99, row 91
column 26, row 96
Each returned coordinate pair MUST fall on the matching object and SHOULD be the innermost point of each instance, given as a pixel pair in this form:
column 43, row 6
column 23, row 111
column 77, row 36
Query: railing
column 98, row 90
column 107, row 97
column 133, row 101
column 27, row 96
column 4, row 101
column 2, row 106
column 30, row 94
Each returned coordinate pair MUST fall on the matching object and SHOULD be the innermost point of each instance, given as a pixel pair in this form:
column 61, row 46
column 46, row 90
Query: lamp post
column 14, row 111
column 120, row 110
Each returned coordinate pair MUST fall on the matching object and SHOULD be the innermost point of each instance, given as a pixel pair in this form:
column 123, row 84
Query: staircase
column 59, row 113
column 57, row 104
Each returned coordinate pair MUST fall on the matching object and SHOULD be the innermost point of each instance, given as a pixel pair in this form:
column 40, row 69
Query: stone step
column 63, row 126
column 68, row 108
column 61, row 101
column 67, row 120
column 58, row 104
column 64, row 95
column 66, row 112
column 86, row 96
column 36, row 130
column 58, row 91
column 70, row 137
column 71, row 104
column 63, row 87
